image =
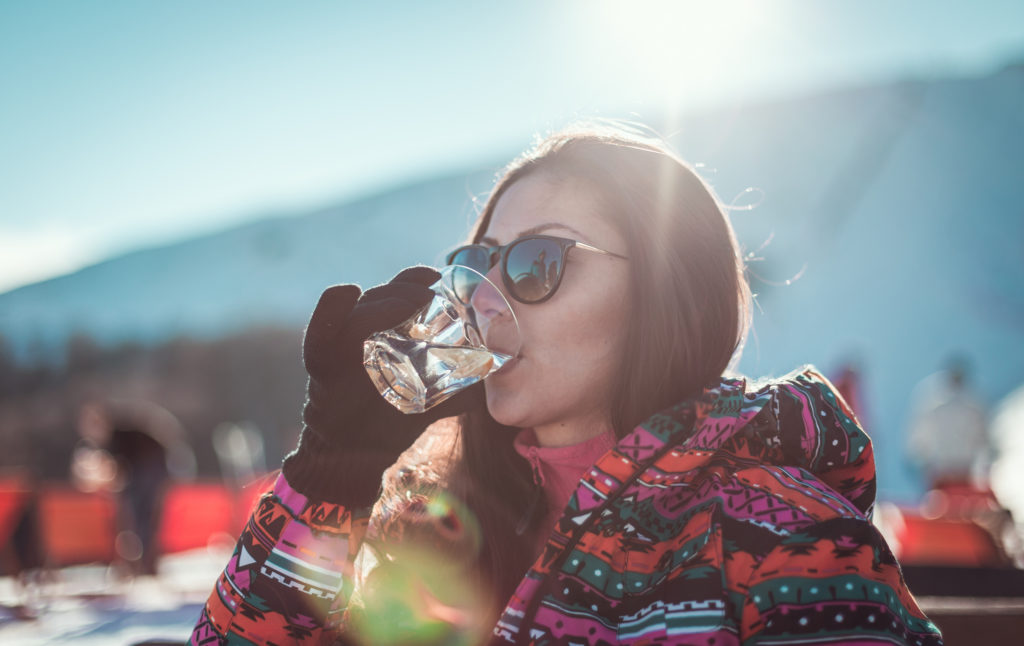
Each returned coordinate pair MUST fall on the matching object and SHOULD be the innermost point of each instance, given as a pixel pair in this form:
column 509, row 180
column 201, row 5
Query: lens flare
column 420, row 588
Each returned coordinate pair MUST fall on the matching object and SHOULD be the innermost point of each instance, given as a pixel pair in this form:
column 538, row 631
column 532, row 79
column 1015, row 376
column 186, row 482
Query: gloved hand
column 350, row 433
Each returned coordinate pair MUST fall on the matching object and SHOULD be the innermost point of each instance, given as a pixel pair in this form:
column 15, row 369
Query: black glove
column 350, row 433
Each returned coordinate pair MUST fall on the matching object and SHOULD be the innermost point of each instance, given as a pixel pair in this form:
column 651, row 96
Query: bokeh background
column 180, row 181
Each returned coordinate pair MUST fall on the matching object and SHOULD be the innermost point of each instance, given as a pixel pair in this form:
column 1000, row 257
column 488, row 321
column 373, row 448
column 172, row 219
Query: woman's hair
column 688, row 296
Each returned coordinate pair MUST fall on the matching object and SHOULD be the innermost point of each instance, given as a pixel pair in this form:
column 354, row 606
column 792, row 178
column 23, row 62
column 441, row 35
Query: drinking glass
column 465, row 333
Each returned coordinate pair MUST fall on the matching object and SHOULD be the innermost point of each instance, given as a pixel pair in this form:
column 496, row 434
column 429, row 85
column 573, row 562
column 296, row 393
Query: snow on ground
column 90, row 605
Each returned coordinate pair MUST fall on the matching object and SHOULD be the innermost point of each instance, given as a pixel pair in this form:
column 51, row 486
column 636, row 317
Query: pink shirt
column 559, row 469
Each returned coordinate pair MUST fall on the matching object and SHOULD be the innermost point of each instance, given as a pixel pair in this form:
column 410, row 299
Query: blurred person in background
column 948, row 438
column 21, row 550
column 616, row 482
column 952, row 442
column 134, row 449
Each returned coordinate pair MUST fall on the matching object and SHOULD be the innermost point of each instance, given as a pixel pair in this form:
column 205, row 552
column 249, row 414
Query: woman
column 613, row 484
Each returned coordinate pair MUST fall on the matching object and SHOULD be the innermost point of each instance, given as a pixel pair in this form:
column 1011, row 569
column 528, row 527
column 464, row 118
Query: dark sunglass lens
column 465, row 282
column 475, row 257
column 533, row 267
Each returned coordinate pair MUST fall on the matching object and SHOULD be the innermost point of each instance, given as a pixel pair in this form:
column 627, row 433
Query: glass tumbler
column 465, row 333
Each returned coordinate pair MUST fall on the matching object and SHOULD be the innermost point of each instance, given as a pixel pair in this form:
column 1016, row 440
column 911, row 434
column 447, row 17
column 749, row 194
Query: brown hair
column 688, row 295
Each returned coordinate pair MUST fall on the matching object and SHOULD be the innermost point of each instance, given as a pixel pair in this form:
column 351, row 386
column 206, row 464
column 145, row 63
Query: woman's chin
column 502, row 405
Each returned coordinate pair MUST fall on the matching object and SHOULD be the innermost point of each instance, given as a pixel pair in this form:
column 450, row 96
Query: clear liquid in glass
column 414, row 375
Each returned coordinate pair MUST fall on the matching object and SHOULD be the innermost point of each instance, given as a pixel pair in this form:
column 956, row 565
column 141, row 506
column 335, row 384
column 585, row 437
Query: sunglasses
column 531, row 266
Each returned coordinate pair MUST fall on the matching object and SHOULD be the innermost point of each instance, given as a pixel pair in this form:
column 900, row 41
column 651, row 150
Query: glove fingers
column 328, row 323
column 337, row 329
column 412, row 292
column 334, row 306
column 378, row 315
column 420, row 274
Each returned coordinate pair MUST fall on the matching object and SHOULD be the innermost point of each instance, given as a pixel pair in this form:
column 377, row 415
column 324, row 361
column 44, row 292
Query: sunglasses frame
column 500, row 254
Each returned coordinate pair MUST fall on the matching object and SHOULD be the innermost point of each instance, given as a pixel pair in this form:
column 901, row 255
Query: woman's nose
column 495, row 320
column 488, row 300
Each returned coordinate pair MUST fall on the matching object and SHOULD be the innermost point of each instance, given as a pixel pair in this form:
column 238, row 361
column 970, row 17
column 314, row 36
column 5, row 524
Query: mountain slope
column 269, row 271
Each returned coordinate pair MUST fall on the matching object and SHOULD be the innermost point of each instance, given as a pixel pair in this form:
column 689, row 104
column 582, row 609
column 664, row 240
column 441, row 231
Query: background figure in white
column 948, row 436
column 1008, row 468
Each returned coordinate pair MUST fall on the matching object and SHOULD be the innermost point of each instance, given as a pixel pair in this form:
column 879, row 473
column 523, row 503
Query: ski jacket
column 739, row 516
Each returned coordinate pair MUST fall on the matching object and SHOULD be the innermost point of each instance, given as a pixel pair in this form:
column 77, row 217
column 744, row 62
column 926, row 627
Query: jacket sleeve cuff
column 345, row 476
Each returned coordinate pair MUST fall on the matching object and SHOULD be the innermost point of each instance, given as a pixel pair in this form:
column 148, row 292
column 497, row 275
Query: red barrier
column 194, row 514
column 14, row 495
column 926, row 541
column 77, row 527
column 198, row 514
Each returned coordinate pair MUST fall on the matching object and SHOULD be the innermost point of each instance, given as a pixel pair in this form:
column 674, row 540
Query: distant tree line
column 253, row 377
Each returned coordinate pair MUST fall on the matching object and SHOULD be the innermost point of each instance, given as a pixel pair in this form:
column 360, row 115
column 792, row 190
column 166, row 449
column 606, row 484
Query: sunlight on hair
column 706, row 172
column 746, row 200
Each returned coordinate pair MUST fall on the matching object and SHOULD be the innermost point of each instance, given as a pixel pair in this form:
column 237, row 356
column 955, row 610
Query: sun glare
column 670, row 54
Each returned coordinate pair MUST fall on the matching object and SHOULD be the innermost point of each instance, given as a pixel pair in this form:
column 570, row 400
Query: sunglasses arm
column 583, row 245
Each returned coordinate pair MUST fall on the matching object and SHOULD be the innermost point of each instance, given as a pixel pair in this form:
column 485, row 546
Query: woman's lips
column 508, row 365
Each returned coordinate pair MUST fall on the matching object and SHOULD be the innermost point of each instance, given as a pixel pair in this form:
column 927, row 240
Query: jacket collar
column 805, row 424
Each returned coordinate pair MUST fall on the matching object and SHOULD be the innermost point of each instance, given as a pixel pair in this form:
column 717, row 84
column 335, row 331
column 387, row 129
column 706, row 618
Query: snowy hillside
column 269, row 271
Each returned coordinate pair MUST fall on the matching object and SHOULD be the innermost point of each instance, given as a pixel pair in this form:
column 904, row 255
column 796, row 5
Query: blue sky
column 125, row 124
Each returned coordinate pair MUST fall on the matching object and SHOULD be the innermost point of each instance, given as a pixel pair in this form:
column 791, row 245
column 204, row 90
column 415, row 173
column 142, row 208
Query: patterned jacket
column 741, row 516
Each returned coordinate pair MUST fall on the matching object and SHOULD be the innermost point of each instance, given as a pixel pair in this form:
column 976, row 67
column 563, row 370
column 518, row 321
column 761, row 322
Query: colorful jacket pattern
column 741, row 516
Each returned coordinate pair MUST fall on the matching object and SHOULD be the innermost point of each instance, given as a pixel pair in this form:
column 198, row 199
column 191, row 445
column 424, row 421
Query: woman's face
column 571, row 342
